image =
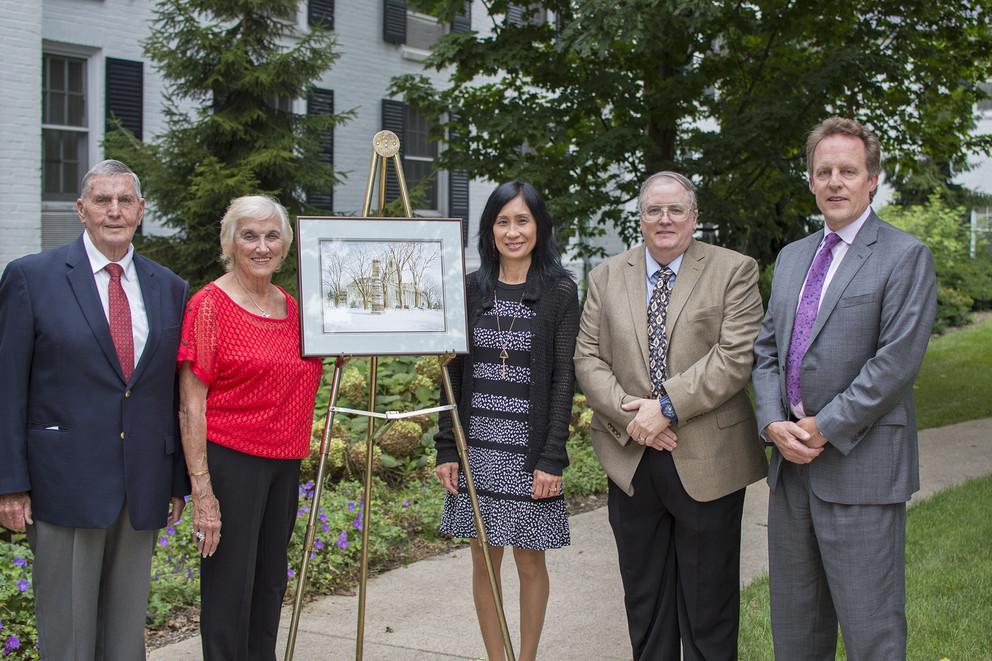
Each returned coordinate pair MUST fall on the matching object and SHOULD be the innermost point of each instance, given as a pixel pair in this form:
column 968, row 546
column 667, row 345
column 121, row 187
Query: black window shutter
column 463, row 20
column 320, row 13
column 394, row 21
column 458, row 199
column 124, row 94
column 394, row 119
column 321, row 102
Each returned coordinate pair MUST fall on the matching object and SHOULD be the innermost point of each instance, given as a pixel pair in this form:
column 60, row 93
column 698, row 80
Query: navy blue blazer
column 72, row 432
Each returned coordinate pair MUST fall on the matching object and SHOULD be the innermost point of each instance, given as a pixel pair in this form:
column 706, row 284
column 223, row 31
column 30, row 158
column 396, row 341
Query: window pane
column 66, row 155
column 56, row 108
column 56, row 79
column 417, row 171
column 77, row 110
column 76, row 76
column 418, row 139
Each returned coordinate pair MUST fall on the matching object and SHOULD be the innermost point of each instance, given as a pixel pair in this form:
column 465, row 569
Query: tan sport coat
column 713, row 319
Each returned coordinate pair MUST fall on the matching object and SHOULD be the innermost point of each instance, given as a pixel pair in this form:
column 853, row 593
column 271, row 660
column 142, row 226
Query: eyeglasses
column 675, row 213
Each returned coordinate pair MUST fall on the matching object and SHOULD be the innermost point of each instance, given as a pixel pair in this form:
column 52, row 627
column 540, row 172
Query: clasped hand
column 799, row 442
column 650, row 427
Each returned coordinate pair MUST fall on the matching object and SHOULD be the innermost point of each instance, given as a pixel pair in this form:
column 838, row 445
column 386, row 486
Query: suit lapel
column 80, row 276
column 635, row 284
column 855, row 258
column 794, row 276
column 151, row 294
column 692, row 267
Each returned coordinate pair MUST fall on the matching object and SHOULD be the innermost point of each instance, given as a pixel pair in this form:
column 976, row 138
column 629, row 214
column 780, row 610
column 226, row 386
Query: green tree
column 228, row 66
column 586, row 104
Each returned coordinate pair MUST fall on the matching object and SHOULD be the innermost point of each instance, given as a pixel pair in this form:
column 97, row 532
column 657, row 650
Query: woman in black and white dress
column 514, row 393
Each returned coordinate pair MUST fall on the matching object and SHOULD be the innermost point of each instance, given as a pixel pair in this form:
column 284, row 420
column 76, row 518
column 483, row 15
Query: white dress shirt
column 651, row 266
column 132, row 289
column 846, row 234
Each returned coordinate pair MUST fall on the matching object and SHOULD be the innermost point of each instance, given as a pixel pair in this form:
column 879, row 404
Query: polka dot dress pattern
column 497, row 439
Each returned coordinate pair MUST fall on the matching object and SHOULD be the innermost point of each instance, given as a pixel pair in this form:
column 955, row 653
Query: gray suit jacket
column 857, row 376
column 713, row 317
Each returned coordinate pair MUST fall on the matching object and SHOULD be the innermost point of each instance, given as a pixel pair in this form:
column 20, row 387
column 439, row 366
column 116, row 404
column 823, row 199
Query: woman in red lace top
column 246, row 406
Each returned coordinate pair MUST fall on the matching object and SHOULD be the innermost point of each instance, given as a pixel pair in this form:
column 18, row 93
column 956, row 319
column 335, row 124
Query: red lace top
column 260, row 391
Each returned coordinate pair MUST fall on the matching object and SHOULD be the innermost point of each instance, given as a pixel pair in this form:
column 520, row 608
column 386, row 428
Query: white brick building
column 65, row 60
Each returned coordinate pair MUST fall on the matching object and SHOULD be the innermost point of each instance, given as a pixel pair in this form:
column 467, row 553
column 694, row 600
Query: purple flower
column 1, row 624
column 13, row 643
column 319, row 545
column 20, row 562
column 357, row 523
column 342, row 542
column 163, row 541
column 406, row 502
column 351, row 505
column 299, row 512
column 326, row 528
column 23, row 585
column 290, row 572
column 323, row 517
column 312, row 555
column 170, row 531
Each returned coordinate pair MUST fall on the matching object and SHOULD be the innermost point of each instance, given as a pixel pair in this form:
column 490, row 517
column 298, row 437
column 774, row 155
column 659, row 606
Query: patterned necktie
column 809, row 304
column 657, row 342
column 120, row 320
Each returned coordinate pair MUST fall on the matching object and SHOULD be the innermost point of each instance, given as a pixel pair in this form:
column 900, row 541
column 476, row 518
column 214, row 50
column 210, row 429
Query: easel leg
column 325, row 444
column 366, row 510
column 477, row 514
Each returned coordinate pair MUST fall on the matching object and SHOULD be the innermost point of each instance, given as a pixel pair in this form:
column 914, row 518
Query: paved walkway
column 424, row 612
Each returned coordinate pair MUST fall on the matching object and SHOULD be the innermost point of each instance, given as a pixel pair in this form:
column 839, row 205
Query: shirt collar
column 651, row 265
column 848, row 232
column 98, row 260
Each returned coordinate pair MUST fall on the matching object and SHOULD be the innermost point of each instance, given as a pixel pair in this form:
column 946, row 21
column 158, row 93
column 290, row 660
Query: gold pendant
column 503, row 356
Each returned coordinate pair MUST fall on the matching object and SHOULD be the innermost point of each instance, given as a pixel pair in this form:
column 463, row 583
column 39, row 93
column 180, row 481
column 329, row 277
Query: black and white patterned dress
column 497, row 438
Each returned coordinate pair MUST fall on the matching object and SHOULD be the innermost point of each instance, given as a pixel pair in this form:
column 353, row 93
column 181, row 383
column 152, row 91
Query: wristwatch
column 667, row 409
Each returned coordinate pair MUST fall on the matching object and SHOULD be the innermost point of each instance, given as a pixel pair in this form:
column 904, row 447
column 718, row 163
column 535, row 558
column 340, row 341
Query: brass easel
column 386, row 145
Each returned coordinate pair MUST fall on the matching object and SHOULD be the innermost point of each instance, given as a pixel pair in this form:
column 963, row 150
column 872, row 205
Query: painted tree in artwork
column 239, row 77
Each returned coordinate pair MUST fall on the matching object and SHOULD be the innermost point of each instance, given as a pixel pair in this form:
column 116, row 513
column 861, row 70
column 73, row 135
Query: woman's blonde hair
column 251, row 207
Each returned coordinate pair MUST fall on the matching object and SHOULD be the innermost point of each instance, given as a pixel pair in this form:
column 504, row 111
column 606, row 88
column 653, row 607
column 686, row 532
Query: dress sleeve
column 198, row 342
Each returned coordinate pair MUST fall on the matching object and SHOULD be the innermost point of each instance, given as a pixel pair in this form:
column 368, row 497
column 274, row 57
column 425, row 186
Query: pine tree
column 228, row 66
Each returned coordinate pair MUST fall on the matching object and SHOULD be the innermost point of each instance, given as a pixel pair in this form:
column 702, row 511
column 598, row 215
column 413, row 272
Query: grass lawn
column 948, row 581
column 955, row 381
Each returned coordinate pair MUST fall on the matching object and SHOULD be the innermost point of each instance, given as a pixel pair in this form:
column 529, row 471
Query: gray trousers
column 91, row 590
column 831, row 563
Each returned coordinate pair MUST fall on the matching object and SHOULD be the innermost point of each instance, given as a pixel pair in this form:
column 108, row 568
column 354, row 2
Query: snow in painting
column 381, row 286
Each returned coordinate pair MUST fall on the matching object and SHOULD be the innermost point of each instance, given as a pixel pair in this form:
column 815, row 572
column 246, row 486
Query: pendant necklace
column 251, row 298
column 503, row 342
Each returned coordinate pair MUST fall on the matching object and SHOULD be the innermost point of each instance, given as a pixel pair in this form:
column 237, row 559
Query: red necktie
column 120, row 320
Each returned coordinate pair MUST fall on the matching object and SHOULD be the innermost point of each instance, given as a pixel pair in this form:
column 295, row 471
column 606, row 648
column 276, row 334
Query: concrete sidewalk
column 424, row 611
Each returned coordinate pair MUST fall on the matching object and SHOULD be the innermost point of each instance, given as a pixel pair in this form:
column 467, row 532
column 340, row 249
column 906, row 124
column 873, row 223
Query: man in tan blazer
column 664, row 356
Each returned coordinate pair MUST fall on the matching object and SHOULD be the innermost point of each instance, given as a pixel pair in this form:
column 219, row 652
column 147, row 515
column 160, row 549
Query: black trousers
column 243, row 583
column 680, row 565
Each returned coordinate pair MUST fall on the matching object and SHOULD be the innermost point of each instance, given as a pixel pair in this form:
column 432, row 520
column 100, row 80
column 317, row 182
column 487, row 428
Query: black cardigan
column 554, row 329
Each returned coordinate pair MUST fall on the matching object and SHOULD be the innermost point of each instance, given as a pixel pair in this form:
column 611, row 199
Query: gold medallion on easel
column 385, row 145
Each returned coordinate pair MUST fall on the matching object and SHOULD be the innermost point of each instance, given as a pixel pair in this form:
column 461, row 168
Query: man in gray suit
column 846, row 328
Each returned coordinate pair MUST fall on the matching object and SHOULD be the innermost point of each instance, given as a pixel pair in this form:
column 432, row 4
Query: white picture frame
column 381, row 286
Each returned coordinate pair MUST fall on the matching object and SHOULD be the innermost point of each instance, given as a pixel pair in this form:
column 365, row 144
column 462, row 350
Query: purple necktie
column 809, row 303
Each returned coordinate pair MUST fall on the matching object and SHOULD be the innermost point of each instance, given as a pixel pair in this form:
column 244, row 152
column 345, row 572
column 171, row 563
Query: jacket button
column 127, row 393
column 122, row 436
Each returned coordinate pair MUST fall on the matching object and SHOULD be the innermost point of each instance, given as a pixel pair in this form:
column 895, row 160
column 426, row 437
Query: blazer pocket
column 733, row 416
column 851, row 301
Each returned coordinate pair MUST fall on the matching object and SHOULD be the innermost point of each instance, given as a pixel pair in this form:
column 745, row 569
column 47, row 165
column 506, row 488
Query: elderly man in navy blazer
column 847, row 325
column 90, row 461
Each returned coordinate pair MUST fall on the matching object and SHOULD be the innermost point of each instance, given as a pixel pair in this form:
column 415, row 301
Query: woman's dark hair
column 545, row 261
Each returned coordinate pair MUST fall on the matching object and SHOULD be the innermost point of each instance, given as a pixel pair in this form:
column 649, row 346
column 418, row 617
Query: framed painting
column 381, row 286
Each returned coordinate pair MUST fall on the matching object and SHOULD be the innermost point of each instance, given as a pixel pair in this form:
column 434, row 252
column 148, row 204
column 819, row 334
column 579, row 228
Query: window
column 985, row 105
column 320, row 13
column 524, row 14
column 64, row 126
column 419, row 31
column 417, row 150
